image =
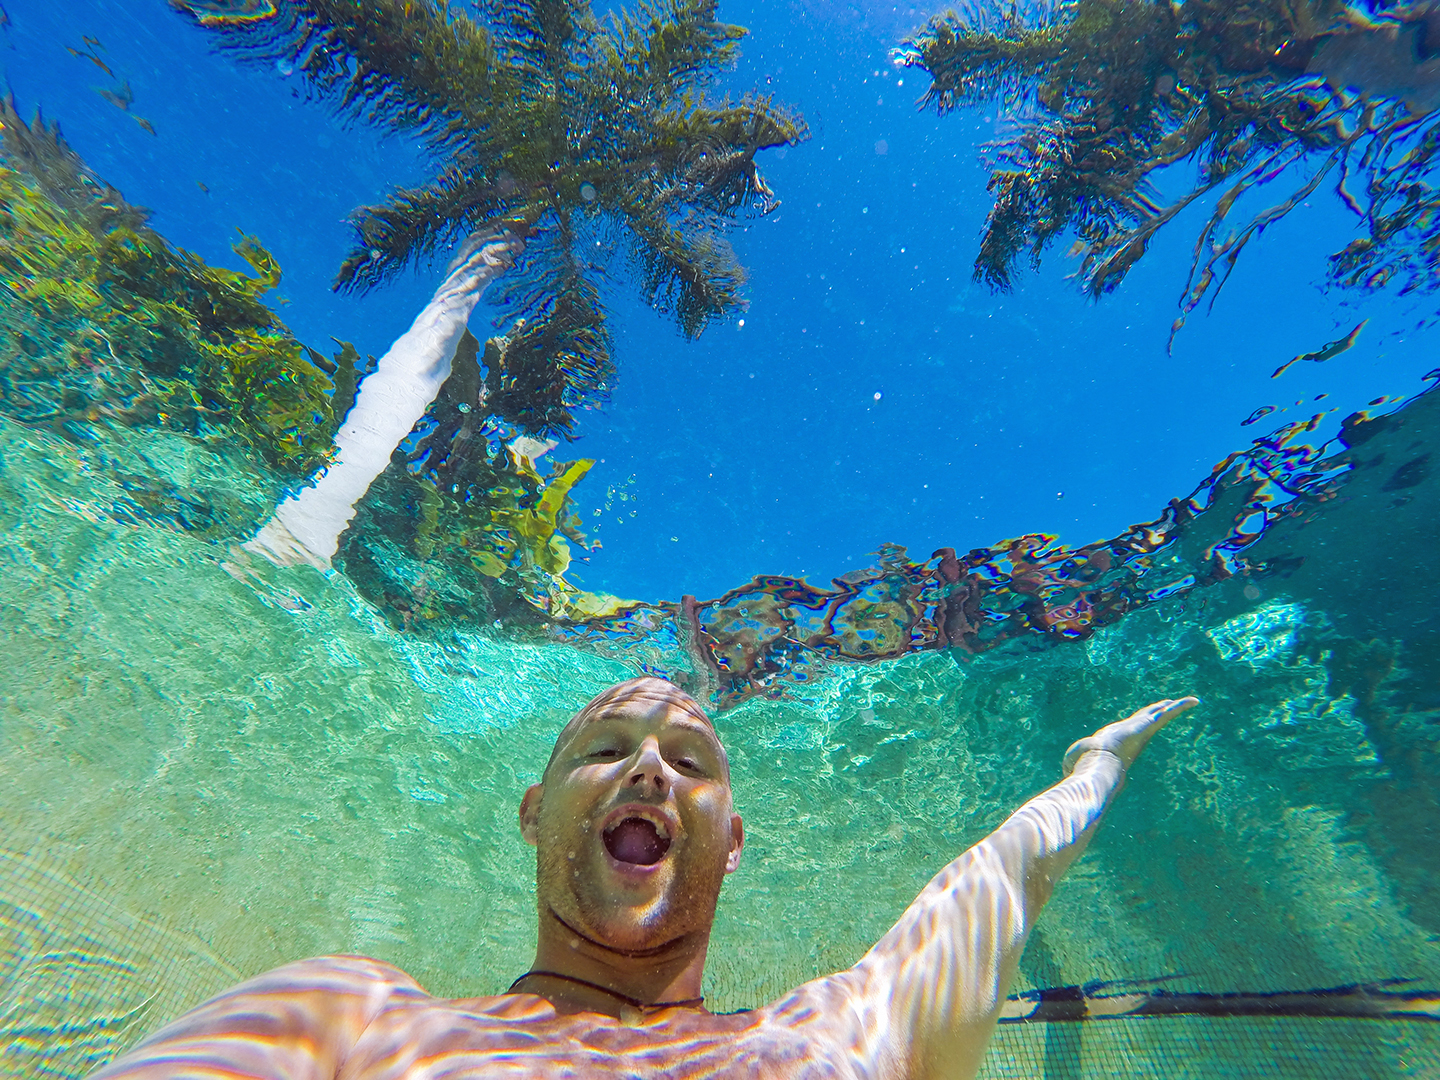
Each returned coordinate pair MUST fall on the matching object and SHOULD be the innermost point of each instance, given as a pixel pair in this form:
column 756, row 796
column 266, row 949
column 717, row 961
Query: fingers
column 1132, row 733
column 1127, row 738
column 1162, row 712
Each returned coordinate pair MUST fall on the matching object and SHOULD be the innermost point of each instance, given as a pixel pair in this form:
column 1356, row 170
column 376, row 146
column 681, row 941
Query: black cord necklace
column 636, row 1003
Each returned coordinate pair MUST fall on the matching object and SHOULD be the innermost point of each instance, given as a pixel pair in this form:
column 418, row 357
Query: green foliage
column 103, row 320
column 459, row 529
column 1106, row 93
column 548, row 120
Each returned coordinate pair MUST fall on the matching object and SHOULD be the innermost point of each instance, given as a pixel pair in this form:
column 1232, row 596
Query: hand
column 1126, row 738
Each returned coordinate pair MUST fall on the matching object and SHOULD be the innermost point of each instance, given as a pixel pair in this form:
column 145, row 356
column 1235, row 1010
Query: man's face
column 633, row 823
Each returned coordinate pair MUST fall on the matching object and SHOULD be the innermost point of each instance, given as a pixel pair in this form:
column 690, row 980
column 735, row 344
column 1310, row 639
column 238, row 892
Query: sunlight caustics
column 212, row 766
column 923, row 1002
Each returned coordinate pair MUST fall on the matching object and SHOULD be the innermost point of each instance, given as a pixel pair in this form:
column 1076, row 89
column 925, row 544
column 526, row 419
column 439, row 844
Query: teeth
column 662, row 828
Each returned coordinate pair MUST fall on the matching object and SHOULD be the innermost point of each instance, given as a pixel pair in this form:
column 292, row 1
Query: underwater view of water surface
column 919, row 388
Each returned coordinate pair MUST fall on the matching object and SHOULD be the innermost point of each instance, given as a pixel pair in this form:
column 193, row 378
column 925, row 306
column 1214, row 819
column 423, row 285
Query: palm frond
column 397, row 64
column 1246, row 89
column 1078, row 173
column 550, row 118
column 662, row 50
column 556, row 357
column 414, row 221
column 980, row 54
column 687, row 270
column 539, row 37
column 1402, row 218
column 710, row 153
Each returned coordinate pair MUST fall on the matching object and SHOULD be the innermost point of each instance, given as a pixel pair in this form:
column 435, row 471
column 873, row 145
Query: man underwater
column 635, row 831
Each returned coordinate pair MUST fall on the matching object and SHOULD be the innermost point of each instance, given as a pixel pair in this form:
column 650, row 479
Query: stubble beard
column 683, row 900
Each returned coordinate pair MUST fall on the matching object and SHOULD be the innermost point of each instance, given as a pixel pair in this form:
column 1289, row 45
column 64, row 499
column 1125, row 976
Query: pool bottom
column 111, row 976
column 203, row 776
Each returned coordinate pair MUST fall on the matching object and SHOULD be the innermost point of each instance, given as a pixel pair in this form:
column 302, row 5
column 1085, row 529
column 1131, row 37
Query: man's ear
column 530, row 814
column 737, row 843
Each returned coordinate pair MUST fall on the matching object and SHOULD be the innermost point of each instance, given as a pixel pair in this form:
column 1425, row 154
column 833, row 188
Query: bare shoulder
column 828, row 1017
column 296, row 1021
column 340, row 972
column 331, row 989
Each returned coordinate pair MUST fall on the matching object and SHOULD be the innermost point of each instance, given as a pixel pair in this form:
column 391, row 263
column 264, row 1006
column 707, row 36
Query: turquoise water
column 212, row 765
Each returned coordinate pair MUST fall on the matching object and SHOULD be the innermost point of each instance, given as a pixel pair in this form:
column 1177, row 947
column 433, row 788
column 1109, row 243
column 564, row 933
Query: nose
column 649, row 775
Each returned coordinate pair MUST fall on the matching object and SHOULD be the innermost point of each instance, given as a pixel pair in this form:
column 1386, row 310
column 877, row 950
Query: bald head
column 643, row 696
column 633, row 824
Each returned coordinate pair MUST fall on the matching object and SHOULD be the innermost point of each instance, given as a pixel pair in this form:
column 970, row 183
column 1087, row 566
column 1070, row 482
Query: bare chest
column 450, row 1043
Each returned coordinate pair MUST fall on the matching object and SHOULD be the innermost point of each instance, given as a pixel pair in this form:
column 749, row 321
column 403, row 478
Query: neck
column 670, row 972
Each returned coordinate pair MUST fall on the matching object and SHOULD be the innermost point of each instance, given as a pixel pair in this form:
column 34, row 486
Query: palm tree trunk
column 306, row 528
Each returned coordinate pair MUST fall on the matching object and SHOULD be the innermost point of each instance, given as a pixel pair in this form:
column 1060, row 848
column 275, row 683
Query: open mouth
column 637, row 840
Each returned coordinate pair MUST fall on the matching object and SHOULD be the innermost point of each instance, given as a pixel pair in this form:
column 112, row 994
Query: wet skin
column 646, row 754
column 635, row 831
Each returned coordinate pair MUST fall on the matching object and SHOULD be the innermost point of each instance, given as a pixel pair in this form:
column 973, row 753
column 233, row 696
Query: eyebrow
column 690, row 724
column 703, row 729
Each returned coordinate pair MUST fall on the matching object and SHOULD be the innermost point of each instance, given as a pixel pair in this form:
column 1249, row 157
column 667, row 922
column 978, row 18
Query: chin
column 626, row 906
column 637, row 931
column 632, row 923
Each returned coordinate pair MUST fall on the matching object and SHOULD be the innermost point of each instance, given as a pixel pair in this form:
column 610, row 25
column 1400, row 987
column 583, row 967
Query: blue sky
column 763, row 448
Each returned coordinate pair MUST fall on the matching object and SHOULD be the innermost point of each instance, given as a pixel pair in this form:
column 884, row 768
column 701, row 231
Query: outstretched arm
column 927, row 996
column 297, row 1022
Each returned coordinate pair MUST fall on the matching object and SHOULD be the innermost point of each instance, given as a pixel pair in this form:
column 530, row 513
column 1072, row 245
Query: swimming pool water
column 210, row 765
